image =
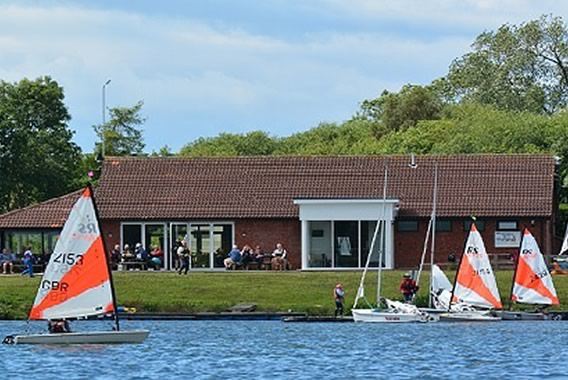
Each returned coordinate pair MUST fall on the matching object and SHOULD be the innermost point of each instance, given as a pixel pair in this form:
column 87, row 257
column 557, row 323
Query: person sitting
column 7, row 259
column 140, row 253
column 127, row 254
column 408, row 287
column 58, row 326
column 257, row 255
column 279, row 258
column 557, row 269
column 115, row 256
column 233, row 258
column 156, row 257
column 246, row 255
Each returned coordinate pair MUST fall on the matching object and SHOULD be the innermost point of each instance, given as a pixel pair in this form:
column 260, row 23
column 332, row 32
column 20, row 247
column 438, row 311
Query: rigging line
column 362, row 283
column 383, row 240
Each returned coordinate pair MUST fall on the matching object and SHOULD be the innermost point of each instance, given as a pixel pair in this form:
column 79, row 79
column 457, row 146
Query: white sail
column 475, row 281
column 76, row 282
column 564, row 248
column 439, row 280
column 533, row 283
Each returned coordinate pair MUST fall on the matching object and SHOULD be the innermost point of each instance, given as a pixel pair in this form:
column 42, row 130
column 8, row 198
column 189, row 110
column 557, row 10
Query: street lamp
column 104, row 114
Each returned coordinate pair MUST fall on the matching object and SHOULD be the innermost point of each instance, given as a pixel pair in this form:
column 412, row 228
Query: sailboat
column 532, row 282
column 77, row 283
column 474, row 285
column 392, row 311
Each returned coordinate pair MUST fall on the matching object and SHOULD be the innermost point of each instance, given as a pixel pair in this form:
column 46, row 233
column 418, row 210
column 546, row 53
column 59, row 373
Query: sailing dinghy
column 387, row 311
column 532, row 282
column 474, row 285
column 77, row 283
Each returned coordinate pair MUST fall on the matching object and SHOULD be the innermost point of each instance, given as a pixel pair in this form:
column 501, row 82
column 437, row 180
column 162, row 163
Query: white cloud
column 192, row 74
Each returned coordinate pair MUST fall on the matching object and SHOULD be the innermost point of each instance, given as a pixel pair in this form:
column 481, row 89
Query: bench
column 502, row 260
column 130, row 265
column 19, row 268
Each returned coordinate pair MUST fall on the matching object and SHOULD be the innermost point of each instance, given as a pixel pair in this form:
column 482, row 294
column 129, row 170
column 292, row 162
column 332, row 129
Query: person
column 183, row 254
column 258, row 255
column 156, row 257
column 7, row 259
column 127, row 254
column 140, row 253
column 28, row 262
column 408, row 287
column 233, row 258
column 279, row 258
column 339, row 297
column 246, row 255
column 115, row 256
column 58, row 326
column 557, row 268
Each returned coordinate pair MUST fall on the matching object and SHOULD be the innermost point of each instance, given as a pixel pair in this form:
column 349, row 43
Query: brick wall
column 111, row 233
column 268, row 232
column 409, row 245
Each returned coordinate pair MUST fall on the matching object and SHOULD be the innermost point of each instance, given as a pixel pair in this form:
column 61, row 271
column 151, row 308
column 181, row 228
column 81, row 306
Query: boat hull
column 378, row 316
column 523, row 316
column 468, row 316
column 87, row 337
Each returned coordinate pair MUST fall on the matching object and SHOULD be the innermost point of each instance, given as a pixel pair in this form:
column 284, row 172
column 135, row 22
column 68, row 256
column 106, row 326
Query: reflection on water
column 271, row 349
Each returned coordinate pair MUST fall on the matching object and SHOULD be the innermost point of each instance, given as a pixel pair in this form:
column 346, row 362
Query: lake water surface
column 272, row 349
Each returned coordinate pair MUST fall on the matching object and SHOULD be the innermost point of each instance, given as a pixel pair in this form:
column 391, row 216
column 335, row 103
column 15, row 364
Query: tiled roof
column 48, row 214
column 265, row 187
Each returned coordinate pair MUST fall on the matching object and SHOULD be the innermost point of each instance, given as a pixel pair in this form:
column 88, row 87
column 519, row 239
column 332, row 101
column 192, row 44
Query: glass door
column 178, row 232
column 222, row 243
column 200, row 245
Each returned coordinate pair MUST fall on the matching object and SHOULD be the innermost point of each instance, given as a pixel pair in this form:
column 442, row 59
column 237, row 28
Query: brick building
column 323, row 209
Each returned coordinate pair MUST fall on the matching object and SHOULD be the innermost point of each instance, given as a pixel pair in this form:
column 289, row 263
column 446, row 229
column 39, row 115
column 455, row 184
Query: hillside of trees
column 509, row 94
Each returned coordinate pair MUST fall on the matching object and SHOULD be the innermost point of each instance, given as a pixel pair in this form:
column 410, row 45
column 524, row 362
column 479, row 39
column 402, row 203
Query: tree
column 255, row 143
column 393, row 111
column 519, row 68
column 38, row 160
column 121, row 135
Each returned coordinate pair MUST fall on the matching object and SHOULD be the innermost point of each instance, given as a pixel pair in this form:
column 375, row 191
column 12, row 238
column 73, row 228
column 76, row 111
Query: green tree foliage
column 393, row 111
column 520, row 68
column 256, row 143
column 122, row 134
column 38, row 160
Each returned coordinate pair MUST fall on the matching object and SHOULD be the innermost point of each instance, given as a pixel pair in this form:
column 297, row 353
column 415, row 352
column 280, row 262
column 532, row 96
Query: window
column 320, row 251
column 346, row 241
column 507, row 225
column 480, row 224
column 407, row 225
column 443, row 225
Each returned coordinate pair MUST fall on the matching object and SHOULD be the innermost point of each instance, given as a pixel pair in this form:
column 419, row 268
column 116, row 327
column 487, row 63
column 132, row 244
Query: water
column 272, row 349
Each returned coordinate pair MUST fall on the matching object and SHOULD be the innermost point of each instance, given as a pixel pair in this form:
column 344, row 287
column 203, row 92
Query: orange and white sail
column 532, row 282
column 475, row 281
column 76, row 282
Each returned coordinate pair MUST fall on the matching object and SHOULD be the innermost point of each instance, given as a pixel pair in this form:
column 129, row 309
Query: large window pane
column 155, row 237
column 222, row 243
column 179, row 233
column 131, row 234
column 346, row 240
column 319, row 254
column 200, row 245
column 367, row 231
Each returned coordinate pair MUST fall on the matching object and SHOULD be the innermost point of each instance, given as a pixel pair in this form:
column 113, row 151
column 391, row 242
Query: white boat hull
column 380, row 316
column 87, row 337
column 469, row 316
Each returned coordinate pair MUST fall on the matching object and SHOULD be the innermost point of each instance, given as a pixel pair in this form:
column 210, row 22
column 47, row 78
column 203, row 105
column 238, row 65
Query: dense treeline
column 509, row 94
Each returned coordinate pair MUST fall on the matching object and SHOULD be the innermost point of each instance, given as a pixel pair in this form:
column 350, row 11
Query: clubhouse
column 323, row 209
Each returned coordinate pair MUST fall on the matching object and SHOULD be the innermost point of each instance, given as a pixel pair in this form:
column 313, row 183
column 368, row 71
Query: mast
column 382, row 241
column 458, row 270
column 434, row 203
column 117, row 324
column 362, row 282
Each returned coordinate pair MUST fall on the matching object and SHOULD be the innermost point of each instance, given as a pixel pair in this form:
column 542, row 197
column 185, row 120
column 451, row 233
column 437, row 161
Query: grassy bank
column 309, row 292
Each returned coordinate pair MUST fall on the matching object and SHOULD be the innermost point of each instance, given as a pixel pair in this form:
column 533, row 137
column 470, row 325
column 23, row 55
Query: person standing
column 339, row 297
column 408, row 287
column 183, row 254
column 28, row 262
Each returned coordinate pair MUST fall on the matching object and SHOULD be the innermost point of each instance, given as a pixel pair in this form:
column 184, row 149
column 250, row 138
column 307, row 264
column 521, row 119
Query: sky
column 206, row 67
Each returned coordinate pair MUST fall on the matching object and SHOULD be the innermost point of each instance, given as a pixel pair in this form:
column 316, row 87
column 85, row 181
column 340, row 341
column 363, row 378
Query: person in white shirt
column 279, row 258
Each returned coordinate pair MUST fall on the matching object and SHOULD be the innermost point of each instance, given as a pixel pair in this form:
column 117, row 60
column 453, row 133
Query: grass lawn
column 309, row 292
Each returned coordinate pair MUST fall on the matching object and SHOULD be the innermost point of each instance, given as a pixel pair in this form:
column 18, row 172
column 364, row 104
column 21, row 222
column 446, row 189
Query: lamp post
column 104, row 114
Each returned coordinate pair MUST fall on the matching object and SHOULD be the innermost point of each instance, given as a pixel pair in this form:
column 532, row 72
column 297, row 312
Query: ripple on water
column 271, row 349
